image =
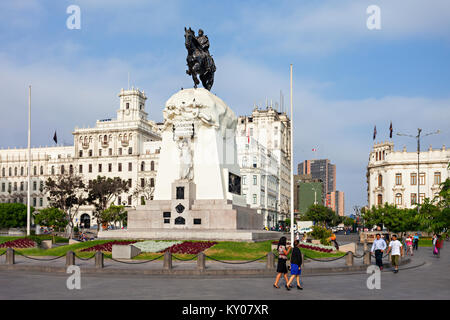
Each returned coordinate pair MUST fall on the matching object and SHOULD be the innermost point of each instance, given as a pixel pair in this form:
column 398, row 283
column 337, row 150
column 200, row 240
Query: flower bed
column 316, row 247
column 189, row 247
column 19, row 244
column 108, row 245
column 155, row 246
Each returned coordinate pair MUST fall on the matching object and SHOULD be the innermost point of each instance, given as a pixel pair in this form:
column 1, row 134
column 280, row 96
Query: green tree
column 348, row 221
column 13, row 215
column 67, row 192
column 394, row 219
column 321, row 215
column 102, row 192
column 113, row 214
column 51, row 217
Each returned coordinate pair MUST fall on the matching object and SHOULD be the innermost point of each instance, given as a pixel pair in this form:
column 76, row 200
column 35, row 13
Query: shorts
column 395, row 259
column 295, row 270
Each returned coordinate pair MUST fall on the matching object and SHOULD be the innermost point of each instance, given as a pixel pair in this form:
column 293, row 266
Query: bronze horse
column 199, row 61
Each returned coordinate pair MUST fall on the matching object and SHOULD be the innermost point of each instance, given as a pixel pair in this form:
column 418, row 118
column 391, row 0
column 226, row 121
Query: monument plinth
column 198, row 183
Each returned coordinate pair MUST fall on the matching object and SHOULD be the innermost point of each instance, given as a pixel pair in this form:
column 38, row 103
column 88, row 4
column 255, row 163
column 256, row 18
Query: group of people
column 296, row 263
column 395, row 248
column 437, row 245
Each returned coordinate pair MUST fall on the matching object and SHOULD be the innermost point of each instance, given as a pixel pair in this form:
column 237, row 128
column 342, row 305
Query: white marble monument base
column 192, row 234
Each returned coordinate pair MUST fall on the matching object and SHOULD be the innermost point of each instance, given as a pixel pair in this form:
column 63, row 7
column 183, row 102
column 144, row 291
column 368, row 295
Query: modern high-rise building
column 308, row 191
column 320, row 169
column 335, row 201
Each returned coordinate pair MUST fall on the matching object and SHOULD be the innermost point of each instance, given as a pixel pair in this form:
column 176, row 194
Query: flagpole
column 292, row 168
column 29, row 162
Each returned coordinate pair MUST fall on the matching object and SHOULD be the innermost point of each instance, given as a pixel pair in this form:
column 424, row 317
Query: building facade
column 308, row 192
column 126, row 147
column 271, row 129
column 321, row 169
column 392, row 176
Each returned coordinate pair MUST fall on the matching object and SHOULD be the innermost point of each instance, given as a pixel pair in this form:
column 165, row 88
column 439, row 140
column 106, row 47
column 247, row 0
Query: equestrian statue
column 199, row 60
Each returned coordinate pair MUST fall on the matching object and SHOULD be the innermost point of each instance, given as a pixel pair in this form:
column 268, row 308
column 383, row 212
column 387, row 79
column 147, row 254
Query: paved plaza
column 428, row 281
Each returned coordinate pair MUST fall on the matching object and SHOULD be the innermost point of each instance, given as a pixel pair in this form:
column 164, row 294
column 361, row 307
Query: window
column 80, row 153
column 244, row 180
column 90, row 153
column 15, row 171
column 380, row 180
column 130, row 150
column 255, row 180
column 41, row 202
column 99, row 152
column 152, row 182
column 197, row 221
column 71, row 169
column 398, row 179
column 128, row 105
column 42, row 169
column 53, row 170
column 129, row 200
column 142, row 182
column 437, row 178
column 62, row 169
column 99, row 167
column 422, row 179
column 109, row 167
column 398, row 199
column 119, row 167
column 142, row 166
column 34, row 202
column 41, row 186
column 80, row 169
column 129, row 183
column 413, row 179
column 421, row 197
column 10, row 172
column 15, row 186
column 21, row 171
column 413, row 198
column 380, row 200
column 166, row 214
column 120, row 151
column 255, row 197
column 3, row 187
column 90, row 168
column 130, row 166
column 21, row 186
column 110, row 151
column 152, row 166
column 34, row 185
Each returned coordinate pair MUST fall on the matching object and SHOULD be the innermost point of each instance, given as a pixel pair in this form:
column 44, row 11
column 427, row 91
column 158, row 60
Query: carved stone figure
column 199, row 61
column 186, row 164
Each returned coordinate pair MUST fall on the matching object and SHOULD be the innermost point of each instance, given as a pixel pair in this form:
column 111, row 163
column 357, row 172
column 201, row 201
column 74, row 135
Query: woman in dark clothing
column 282, row 257
column 296, row 266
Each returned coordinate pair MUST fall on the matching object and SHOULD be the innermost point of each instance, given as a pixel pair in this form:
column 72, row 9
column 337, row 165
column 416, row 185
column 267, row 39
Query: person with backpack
column 283, row 252
column 296, row 266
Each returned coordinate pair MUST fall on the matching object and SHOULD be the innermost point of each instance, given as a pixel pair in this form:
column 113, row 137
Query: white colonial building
column 126, row 147
column 392, row 175
column 260, row 178
column 271, row 130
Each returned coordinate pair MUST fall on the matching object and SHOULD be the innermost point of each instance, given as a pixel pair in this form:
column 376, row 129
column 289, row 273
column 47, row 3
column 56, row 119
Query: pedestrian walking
column 434, row 244
column 409, row 245
column 439, row 243
column 296, row 266
column 283, row 252
column 378, row 247
column 396, row 247
column 416, row 242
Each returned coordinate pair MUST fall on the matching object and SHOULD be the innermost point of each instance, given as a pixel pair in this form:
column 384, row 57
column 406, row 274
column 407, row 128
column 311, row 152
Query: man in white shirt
column 378, row 246
column 396, row 247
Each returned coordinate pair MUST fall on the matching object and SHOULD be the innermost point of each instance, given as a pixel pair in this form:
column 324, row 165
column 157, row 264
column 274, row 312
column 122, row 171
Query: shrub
column 321, row 233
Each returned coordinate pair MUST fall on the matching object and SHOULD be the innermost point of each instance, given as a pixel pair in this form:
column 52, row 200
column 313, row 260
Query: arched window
column 10, row 171
column 380, row 180
column 380, row 200
column 105, row 138
column 71, row 169
column 62, row 169
column 142, row 166
column 15, row 171
column 152, row 166
column 35, row 170
column 21, row 171
column 152, row 182
column 398, row 199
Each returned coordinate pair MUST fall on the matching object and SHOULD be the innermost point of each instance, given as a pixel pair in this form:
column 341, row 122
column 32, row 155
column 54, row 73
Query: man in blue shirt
column 378, row 246
column 416, row 242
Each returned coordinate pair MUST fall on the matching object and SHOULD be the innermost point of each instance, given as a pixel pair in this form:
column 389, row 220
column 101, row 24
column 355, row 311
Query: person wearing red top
column 439, row 243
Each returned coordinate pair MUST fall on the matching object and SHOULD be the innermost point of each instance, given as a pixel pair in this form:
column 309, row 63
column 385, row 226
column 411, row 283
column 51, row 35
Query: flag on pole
column 55, row 138
column 390, row 130
column 374, row 132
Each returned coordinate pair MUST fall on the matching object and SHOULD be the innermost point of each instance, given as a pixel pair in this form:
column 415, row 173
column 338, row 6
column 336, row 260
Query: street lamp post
column 419, row 131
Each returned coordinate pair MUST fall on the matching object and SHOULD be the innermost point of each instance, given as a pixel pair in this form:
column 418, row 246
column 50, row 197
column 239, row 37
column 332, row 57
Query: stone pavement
column 429, row 281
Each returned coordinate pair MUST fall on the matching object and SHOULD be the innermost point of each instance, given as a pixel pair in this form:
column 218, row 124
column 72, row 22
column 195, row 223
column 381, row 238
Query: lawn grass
column 223, row 250
column 425, row 243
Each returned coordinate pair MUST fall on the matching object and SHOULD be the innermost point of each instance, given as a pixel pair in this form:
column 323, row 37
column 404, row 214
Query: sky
column 347, row 78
